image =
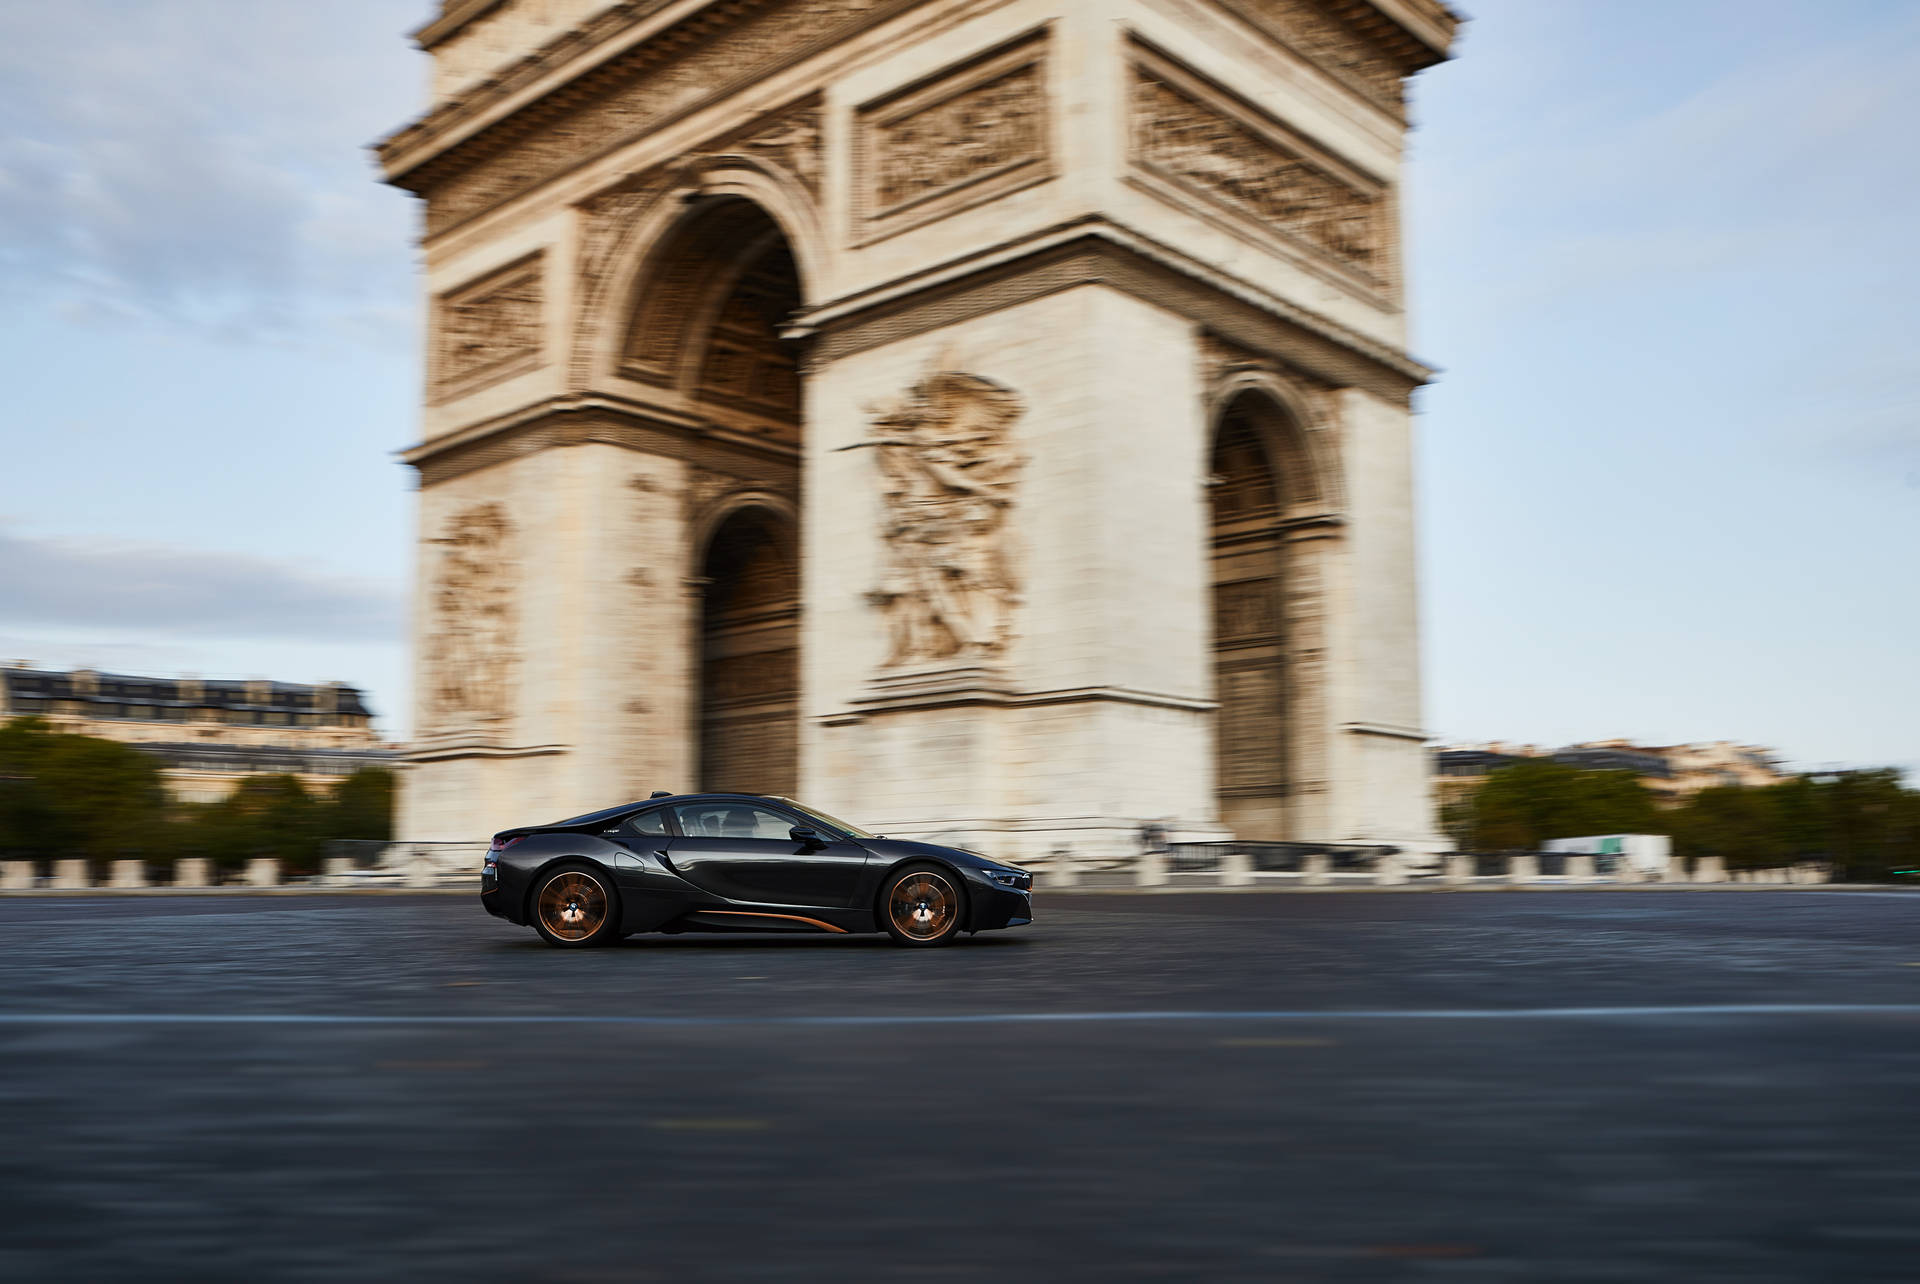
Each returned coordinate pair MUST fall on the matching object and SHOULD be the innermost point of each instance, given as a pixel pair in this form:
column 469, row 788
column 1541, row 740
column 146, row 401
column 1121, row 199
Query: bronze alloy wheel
column 923, row 906
column 573, row 906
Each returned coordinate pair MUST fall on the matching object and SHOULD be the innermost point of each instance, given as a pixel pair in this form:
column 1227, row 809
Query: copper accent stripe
column 798, row 918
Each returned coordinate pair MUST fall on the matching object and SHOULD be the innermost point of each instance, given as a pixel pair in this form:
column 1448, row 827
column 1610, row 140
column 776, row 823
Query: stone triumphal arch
column 982, row 417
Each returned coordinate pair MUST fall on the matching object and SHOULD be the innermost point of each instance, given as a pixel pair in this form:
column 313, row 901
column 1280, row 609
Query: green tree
column 70, row 796
column 362, row 806
column 1523, row 805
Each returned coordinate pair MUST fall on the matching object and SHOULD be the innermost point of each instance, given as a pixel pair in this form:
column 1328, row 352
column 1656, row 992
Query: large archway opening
column 1250, row 634
column 711, row 304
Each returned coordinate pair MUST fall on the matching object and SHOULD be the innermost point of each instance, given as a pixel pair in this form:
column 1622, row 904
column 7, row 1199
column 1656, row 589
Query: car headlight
column 1006, row 877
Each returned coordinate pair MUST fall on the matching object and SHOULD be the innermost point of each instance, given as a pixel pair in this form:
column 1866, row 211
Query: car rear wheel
column 574, row 906
column 922, row 905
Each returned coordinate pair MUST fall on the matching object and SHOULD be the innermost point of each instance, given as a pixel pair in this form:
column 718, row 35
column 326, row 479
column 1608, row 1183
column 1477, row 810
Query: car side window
column 733, row 820
column 652, row 823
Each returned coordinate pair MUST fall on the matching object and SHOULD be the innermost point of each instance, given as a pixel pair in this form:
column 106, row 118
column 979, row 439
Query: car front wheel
column 922, row 905
column 574, row 906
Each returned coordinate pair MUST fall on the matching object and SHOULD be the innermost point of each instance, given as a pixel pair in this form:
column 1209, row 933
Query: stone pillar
column 17, row 875
column 1459, row 868
column 1675, row 870
column 1389, row 870
column 70, row 875
column 1236, row 869
column 1151, row 871
column 1820, row 873
column 129, row 874
column 1579, row 867
column 337, row 871
column 263, row 871
column 1314, row 869
column 1625, row 871
column 1523, row 867
column 192, row 871
column 1710, row 869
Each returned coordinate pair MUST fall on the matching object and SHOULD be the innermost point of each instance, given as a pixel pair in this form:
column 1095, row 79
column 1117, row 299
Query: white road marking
column 971, row 1018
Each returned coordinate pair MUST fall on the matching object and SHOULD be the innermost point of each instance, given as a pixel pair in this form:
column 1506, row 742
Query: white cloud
column 203, row 163
column 158, row 592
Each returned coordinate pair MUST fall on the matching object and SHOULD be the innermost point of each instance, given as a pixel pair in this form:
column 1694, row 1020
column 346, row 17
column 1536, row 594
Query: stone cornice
column 453, row 19
column 1095, row 252
column 637, row 40
column 597, row 419
column 1419, row 32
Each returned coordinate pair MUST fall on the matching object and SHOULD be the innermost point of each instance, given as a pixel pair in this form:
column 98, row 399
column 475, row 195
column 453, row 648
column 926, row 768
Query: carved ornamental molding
column 472, row 646
column 1198, row 138
column 706, row 57
column 949, row 468
column 786, row 141
column 953, row 140
column 1337, row 48
column 488, row 329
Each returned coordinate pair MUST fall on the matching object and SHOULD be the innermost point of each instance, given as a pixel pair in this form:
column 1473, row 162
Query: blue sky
column 1663, row 252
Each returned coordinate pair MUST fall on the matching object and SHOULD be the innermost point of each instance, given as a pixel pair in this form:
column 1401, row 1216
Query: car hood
column 906, row 849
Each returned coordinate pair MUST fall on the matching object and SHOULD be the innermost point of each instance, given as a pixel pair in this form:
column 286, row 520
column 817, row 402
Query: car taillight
column 500, row 845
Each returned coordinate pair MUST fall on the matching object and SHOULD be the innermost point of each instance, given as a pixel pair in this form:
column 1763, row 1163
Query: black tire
column 574, row 906
column 923, row 905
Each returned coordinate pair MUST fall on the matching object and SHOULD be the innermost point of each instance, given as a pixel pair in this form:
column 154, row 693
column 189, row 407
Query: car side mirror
column 805, row 834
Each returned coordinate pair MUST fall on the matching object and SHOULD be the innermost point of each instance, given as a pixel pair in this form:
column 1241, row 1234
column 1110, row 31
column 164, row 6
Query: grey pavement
column 1604, row 1086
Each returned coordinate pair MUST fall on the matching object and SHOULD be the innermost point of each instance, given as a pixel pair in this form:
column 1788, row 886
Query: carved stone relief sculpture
column 1207, row 150
column 971, row 135
column 473, row 645
column 949, row 469
column 489, row 329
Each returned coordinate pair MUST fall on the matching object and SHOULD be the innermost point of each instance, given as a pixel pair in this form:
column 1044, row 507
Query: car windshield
column 851, row 831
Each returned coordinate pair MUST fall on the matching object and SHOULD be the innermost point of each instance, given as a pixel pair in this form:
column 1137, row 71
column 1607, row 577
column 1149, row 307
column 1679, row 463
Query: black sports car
column 740, row 863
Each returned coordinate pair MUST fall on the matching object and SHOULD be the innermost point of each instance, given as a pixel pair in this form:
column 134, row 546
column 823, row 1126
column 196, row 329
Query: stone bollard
column 17, row 875
column 1060, row 870
column 1580, row 867
column 338, row 871
column 1710, row 869
column 70, row 875
column 263, row 871
column 128, row 874
column 1675, row 870
column 1236, row 869
column 192, row 871
column 1313, row 869
column 421, row 871
column 1523, row 867
column 1459, row 868
column 1820, row 873
column 1625, row 871
column 1389, row 870
column 1151, row 871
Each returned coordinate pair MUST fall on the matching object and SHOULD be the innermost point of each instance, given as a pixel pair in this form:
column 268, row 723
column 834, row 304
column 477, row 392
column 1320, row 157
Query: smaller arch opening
column 1249, row 501
column 749, row 656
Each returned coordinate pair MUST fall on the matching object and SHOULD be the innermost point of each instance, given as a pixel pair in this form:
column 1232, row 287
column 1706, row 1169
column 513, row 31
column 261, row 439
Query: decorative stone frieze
column 1330, row 44
column 1202, row 140
column 703, row 58
column 961, row 137
column 473, row 644
column 949, row 470
column 489, row 329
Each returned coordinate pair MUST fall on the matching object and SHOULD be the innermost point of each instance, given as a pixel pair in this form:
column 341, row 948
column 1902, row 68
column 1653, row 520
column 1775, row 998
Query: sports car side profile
column 740, row 863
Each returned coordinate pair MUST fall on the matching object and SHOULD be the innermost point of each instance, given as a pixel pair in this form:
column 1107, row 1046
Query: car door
column 744, row 850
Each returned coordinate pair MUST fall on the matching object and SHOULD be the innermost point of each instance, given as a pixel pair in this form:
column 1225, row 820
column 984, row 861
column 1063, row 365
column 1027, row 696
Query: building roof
column 27, row 690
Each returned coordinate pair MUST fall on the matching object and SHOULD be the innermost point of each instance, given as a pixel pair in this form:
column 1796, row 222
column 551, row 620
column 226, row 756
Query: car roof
column 627, row 809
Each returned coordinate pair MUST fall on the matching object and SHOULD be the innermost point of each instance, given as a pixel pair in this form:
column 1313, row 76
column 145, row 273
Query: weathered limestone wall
column 1098, row 712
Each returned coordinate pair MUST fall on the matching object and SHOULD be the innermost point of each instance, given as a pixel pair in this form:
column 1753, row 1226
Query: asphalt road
column 1578, row 1086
